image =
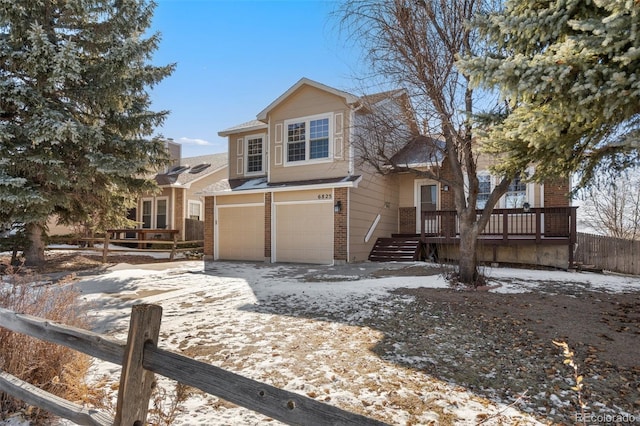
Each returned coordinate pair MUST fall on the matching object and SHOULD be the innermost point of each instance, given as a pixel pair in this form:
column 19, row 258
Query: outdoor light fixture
column 337, row 207
column 445, row 188
column 526, row 207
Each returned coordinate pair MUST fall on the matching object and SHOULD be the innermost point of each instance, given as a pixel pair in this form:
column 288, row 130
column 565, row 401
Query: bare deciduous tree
column 613, row 208
column 414, row 44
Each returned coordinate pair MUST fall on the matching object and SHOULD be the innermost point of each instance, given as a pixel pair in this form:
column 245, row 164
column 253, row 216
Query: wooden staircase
column 398, row 249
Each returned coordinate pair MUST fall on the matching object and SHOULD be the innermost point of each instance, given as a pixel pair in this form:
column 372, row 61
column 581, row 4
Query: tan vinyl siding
column 309, row 101
column 237, row 154
column 374, row 195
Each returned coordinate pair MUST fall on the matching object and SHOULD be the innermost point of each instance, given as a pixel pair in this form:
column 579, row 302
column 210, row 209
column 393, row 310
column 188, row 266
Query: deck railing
column 534, row 224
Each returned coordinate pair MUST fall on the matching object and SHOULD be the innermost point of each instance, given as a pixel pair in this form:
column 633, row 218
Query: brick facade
column 556, row 193
column 340, row 225
column 407, row 220
column 179, row 211
column 209, row 220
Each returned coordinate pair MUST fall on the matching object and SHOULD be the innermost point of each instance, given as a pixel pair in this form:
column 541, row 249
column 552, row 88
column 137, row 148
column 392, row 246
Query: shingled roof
column 421, row 150
column 193, row 168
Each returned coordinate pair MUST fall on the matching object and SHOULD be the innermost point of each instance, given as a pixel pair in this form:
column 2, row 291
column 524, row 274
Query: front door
column 426, row 200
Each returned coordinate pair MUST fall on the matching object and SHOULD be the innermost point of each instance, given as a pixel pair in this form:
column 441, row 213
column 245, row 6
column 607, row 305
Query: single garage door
column 240, row 233
column 304, row 233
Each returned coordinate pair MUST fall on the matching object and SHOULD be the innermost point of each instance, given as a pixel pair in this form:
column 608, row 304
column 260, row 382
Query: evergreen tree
column 75, row 123
column 568, row 72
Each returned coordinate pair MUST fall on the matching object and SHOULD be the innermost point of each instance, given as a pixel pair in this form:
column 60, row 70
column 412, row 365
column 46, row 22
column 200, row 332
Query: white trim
column 338, row 150
column 372, row 228
column 278, row 159
column 352, row 184
column 240, row 166
column 261, row 136
column 339, row 122
column 239, row 146
column 307, row 160
column 200, row 207
column 278, row 138
column 417, row 184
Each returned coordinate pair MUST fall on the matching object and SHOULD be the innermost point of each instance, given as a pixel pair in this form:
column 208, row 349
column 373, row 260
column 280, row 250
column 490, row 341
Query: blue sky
column 235, row 57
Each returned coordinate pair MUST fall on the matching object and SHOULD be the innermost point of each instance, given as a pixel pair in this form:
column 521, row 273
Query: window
column 484, row 190
column 194, row 210
column 308, row 139
column 146, row 213
column 254, row 147
column 155, row 215
column 516, row 194
column 428, row 198
column 161, row 214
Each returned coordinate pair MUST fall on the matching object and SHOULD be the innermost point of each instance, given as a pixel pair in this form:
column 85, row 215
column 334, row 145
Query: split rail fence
column 140, row 241
column 140, row 358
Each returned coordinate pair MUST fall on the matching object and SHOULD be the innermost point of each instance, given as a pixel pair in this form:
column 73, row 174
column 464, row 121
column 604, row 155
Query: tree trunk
column 34, row 252
column 468, row 264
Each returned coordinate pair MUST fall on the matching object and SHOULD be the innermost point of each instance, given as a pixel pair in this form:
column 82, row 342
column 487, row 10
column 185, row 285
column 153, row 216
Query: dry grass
column 53, row 368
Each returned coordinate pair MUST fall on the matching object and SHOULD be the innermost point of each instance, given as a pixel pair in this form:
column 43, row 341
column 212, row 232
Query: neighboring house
column 180, row 197
column 296, row 193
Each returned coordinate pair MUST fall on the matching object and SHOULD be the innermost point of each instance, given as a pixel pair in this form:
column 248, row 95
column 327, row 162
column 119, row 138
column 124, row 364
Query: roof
column 260, row 184
column 348, row 97
column 366, row 101
column 193, row 168
column 244, row 127
column 421, row 150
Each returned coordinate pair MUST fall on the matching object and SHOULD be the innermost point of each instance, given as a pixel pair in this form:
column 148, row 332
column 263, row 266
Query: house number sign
column 324, row 196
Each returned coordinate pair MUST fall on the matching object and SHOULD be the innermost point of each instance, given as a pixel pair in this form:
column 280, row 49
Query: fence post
column 105, row 248
column 136, row 383
column 173, row 247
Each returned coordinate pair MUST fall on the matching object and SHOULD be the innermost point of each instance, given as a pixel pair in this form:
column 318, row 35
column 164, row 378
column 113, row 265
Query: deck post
column 136, row 383
column 173, row 247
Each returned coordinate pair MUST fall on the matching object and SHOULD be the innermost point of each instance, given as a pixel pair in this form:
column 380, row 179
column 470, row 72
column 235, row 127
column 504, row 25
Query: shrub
column 53, row 368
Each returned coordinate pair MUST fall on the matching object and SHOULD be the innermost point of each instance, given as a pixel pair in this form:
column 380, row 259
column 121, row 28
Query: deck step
column 397, row 249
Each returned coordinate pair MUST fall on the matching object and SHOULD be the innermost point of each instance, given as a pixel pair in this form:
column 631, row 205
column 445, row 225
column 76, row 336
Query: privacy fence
column 140, row 358
column 608, row 253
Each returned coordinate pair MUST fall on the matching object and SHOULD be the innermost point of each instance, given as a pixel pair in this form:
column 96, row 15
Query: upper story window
column 308, row 139
column 255, row 150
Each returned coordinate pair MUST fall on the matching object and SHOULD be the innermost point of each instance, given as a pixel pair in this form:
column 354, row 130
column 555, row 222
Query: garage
column 240, row 232
column 304, row 232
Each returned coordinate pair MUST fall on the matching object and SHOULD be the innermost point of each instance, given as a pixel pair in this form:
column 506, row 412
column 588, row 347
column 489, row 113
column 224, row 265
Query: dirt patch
column 61, row 262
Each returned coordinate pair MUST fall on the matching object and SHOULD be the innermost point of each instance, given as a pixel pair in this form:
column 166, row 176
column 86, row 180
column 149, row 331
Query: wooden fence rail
column 140, row 358
column 608, row 253
column 160, row 240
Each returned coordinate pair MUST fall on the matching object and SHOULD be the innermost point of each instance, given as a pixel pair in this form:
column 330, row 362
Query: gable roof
column 348, row 97
column 420, row 151
column 187, row 170
column 244, row 127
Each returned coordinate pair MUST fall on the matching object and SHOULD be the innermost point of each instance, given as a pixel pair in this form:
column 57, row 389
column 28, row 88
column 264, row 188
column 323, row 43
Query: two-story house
column 297, row 193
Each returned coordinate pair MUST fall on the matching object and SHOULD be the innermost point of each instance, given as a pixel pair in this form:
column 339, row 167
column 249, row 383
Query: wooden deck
column 542, row 225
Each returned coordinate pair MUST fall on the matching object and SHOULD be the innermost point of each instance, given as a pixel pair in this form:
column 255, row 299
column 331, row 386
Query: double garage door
column 301, row 233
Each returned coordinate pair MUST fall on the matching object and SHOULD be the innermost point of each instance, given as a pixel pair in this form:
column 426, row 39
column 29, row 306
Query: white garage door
column 304, row 233
column 240, row 233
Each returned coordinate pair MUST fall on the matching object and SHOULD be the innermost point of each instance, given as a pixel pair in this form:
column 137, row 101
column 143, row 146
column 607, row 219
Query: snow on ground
column 259, row 320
